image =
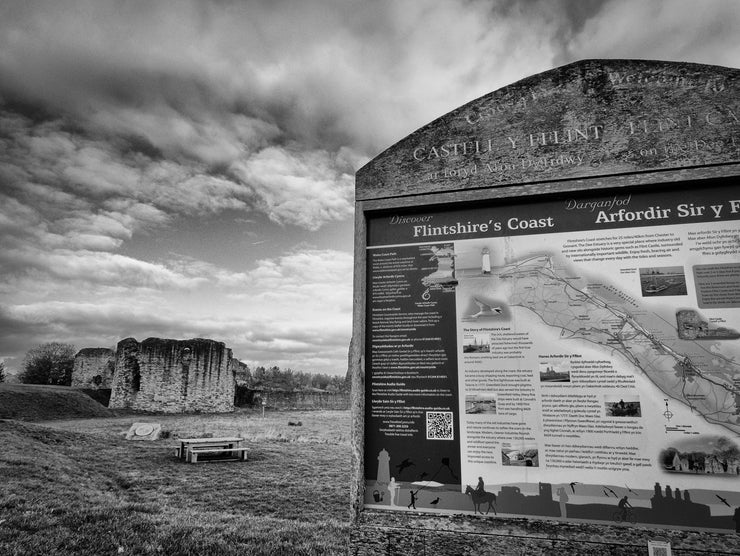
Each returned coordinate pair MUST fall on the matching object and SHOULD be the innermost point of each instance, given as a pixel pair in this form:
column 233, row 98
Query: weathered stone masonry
column 93, row 368
column 173, row 376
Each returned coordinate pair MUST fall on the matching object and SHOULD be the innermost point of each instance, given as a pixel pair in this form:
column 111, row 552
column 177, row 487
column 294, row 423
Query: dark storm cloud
column 121, row 118
column 153, row 107
column 322, row 74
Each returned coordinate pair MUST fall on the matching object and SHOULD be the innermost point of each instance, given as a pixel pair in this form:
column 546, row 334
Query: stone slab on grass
column 144, row 431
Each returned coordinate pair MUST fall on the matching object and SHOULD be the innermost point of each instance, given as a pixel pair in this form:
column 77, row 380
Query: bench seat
column 239, row 454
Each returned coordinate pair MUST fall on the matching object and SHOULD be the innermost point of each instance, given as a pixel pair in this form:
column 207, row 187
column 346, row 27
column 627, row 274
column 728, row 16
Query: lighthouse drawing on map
column 485, row 264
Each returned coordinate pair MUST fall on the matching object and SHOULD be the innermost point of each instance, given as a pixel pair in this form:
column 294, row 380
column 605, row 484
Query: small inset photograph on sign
column 622, row 406
column 442, row 261
column 692, row 325
column 477, row 404
column 480, row 308
column 520, row 456
column 704, row 454
column 662, row 281
column 475, row 260
column 477, row 343
column 555, row 371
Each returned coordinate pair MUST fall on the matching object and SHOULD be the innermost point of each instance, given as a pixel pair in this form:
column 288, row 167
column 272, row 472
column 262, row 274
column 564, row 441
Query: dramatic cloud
column 302, row 188
column 680, row 30
column 295, row 309
column 127, row 126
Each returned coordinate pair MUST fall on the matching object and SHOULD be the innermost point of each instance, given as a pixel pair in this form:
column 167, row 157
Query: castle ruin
column 241, row 372
column 93, row 368
column 173, row 376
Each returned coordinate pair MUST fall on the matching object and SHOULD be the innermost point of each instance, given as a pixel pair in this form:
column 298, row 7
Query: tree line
column 53, row 362
column 50, row 363
column 288, row 379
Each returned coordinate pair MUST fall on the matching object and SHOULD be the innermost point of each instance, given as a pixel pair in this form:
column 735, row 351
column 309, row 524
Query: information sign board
column 574, row 357
column 549, row 303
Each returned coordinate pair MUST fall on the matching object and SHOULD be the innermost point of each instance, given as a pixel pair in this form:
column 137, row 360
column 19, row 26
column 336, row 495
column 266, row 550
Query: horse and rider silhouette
column 481, row 496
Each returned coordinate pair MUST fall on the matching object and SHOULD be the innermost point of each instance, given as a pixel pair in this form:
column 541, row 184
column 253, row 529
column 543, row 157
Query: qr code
column 439, row 425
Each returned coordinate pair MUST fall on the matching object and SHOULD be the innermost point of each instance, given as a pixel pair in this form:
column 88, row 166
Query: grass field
column 78, row 487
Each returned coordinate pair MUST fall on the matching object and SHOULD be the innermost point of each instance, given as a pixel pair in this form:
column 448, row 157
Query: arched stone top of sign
column 589, row 118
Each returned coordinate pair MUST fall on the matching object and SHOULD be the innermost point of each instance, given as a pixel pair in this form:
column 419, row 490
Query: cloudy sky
column 185, row 169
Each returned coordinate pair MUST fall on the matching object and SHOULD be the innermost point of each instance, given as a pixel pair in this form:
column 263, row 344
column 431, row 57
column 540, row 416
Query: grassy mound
column 33, row 402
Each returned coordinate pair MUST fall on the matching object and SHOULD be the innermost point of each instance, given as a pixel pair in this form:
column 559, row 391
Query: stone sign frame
column 593, row 125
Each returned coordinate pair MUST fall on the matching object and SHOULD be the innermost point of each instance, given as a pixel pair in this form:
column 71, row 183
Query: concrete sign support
column 547, row 319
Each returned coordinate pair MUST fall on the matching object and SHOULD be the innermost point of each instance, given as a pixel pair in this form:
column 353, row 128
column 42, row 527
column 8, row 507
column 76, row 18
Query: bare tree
column 50, row 363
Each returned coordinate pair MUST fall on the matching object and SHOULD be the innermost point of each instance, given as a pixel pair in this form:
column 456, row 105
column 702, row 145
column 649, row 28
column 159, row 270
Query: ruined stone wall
column 173, row 376
column 126, row 376
column 277, row 399
column 241, row 372
column 403, row 533
column 93, row 368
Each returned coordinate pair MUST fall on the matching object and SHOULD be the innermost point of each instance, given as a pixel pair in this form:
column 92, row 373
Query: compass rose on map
column 667, row 413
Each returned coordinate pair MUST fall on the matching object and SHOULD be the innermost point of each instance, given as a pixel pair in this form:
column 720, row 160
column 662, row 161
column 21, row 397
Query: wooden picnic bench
column 237, row 454
column 212, row 448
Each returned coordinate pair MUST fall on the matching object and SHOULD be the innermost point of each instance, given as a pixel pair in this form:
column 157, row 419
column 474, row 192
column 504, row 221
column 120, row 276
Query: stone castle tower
column 173, row 376
column 93, row 368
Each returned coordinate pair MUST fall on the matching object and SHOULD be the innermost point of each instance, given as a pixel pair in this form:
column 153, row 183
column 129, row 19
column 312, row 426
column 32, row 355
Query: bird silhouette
column 629, row 489
column 723, row 500
column 573, row 486
column 435, row 501
column 485, row 310
column 611, row 491
column 606, row 493
column 424, row 474
column 404, row 464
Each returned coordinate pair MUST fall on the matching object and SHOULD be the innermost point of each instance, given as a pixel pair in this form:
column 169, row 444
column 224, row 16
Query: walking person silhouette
column 413, row 499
